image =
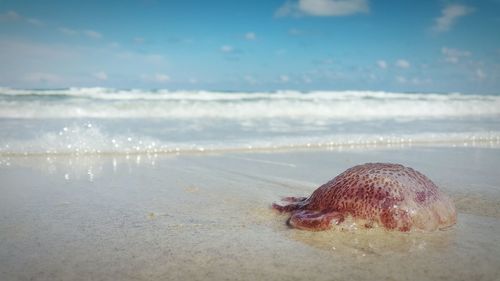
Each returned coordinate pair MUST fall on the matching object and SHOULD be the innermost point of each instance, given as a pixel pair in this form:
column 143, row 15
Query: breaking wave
column 103, row 120
column 345, row 105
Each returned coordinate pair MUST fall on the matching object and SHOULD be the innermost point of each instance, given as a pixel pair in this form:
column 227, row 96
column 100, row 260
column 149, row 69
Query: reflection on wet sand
column 375, row 242
column 81, row 167
column 208, row 217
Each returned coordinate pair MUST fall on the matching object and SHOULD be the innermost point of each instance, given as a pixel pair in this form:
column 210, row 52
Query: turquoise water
column 100, row 120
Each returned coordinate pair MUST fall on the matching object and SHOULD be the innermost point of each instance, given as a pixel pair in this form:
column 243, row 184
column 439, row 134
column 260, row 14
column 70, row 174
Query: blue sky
column 397, row 45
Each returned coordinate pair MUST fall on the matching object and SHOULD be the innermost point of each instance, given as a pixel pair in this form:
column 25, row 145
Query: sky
column 239, row 45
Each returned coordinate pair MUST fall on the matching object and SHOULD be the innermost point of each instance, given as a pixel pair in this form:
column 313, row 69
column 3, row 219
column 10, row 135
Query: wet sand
column 207, row 217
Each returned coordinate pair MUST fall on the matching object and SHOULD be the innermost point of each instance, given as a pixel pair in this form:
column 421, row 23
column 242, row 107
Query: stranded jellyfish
column 373, row 195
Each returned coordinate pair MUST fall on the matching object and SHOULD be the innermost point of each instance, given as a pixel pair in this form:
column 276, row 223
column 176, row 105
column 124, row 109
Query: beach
column 207, row 216
column 160, row 140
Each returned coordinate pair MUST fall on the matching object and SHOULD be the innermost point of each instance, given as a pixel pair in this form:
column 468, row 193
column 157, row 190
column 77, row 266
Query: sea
column 85, row 121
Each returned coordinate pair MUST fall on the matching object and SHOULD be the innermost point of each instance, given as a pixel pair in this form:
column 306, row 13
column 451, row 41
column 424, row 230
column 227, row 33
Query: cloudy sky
column 395, row 45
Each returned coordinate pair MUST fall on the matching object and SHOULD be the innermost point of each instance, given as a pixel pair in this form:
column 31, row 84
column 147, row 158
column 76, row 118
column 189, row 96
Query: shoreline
column 207, row 217
column 395, row 143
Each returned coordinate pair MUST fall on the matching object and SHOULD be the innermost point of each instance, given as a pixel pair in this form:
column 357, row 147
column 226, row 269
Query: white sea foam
column 101, row 120
column 347, row 105
column 87, row 139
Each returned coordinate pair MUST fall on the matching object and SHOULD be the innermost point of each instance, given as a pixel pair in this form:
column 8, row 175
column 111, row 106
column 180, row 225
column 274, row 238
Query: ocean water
column 103, row 120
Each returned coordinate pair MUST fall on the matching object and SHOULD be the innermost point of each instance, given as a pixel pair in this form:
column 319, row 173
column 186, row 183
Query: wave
column 139, row 94
column 316, row 105
column 91, row 140
column 104, row 120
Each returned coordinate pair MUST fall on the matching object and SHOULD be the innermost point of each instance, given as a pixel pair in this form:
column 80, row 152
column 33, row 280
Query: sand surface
column 207, row 217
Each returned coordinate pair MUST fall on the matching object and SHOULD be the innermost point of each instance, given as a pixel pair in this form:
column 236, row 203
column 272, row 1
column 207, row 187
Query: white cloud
column 156, row 78
column 161, row 77
column 63, row 64
column 372, row 77
column 414, row 80
column 454, row 55
column 322, row 8
column 250, row 79
column 449, row 16
column 154, row 58
column 401, row 79
column 42, row 77
column 420, row 81
column 284, row 78
column 67, row 31
column 125, row 55
column 333, row 7
column 9, row 16
column 382, row 64
column 280, row 52
column 14, row 16
column 89, row 33
column 138, row 40
column 327, row 61
column 250, row 36
column 28, row 52
column 480, row 74
column 295, row 32
column 288, row 9
column 35, row 22
column 402, row 63
column 226, row 49
column 148, row 59
column 92, row 34
column 100, row 76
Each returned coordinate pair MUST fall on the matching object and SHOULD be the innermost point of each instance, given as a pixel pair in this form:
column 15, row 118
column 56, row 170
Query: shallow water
column 207, row 217
column 100, row 120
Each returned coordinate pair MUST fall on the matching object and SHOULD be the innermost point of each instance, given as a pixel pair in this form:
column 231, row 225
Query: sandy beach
column 207, row 217
column 148, row 140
